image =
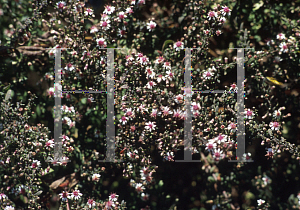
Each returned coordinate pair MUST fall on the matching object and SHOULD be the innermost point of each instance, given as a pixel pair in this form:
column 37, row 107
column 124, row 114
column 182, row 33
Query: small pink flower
column 129, row 112
column 121, row 32
column 249, row 114
column 166, row 111
column 159, row 60
column 101, row 42
column 218, row 154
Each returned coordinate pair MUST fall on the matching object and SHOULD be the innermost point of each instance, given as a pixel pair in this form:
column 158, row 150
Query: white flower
column 96, row 177
column 93, row 29
column 122, row 15
column 9, row 208
column 280, row 36
column 167, row 65
column 49, row 143
column 123, row 120
column 2, row 196
column 218, row 154
column 275, row 126
column 150, row 84
column 169, row 75
column 166, row 111
column 150, row 126
column 277, row 113
column 151, row 25
column 212, row 15
column 266, row 180
column 113, row 197
column 144, row 60
column 160, row 78
column 211, row 145
column 225, row 10
column 88, row 11
column 150, row 72
column 129, row 10
column 91, row 203
column 65, row 195
column 178, row 45
column 105, row 24
column 139, row 187
column 283, row 47
column 208, row 74
column 69, row 67
column 76, row 194
column 195, row 106
column 109, row 9
column 178, row 98
column 206, row 32
column 260, row 202
column 232, row 127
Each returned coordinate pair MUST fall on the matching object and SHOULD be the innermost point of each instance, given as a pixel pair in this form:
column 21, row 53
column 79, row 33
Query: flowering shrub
column 150, row 107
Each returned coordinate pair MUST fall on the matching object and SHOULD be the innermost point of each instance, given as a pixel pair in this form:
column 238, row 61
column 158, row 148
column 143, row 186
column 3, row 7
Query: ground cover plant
column 149, row 103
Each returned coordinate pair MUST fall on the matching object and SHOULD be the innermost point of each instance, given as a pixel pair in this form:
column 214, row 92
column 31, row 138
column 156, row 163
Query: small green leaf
column 258, row 5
